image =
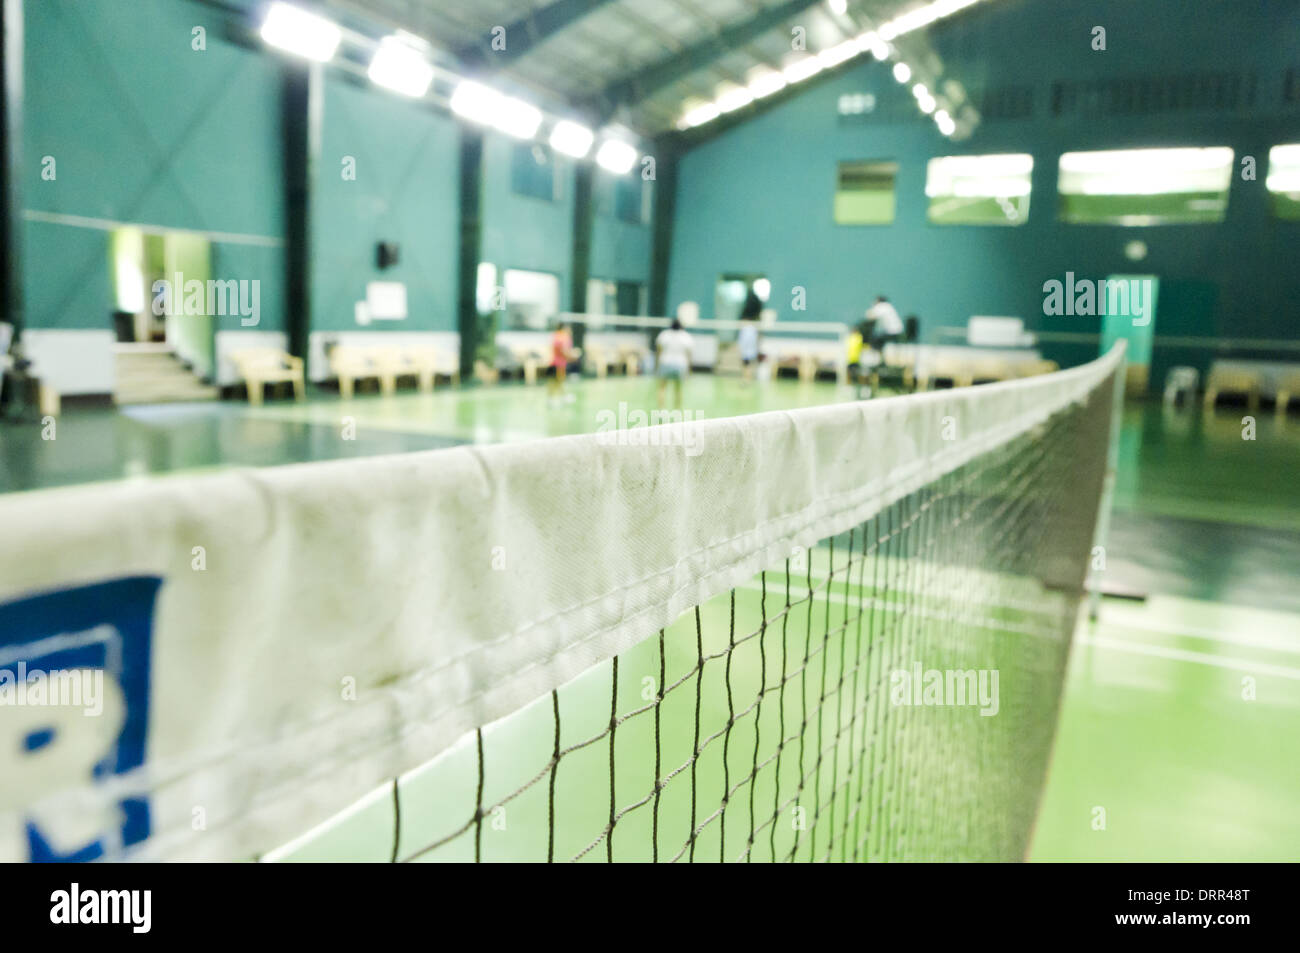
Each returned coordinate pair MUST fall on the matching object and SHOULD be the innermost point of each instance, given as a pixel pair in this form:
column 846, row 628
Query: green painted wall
column 620, row 251
column 520, row 231
column 144, row 129
column 759, row 197
column 404, row 191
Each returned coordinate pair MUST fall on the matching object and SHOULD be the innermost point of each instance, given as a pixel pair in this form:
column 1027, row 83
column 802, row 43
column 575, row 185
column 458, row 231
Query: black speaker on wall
column 386, row 254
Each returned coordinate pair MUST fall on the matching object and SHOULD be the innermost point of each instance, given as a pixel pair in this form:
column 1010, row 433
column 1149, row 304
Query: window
column 1145, row 186
column 979, row 190
column 532, row 298
column 601, row 296
column 864, row 193
column 532, row 171
column 615, row 297
column 629, row 199
column 1284, row 181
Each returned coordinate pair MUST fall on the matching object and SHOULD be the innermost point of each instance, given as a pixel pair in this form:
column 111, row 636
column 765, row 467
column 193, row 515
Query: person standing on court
column 674, row 360
column 748, row 337
column 562, row 352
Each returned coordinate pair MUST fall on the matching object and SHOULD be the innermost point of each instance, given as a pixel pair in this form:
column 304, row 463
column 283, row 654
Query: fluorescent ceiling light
column 518, row 118
column 698, row 116
column 838, row 7
column 902, row 72
column 571, row 138
column 871, row 41
column 399, row 67
column 1287, row 181
column 735, row 98
column 989, row 176
column 988, row 166
column 919, row 91
column 1284, row 155
column 476, row 102
column 926, row 103
column 616, row 156
column 944, row 122
column 838, row 54
column 766, row 83
column 1283, row 169
column 1147, row 160
column 922, row 16
column 484, row 105
column 989, row 188
column 801, row 69
column 1145, row 171
column 301, row 33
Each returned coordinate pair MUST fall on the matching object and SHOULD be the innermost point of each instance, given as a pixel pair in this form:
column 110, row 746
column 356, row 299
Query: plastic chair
column 1181, row 382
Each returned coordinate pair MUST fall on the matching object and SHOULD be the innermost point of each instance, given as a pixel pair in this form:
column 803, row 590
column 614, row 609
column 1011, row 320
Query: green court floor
column 1180, row 728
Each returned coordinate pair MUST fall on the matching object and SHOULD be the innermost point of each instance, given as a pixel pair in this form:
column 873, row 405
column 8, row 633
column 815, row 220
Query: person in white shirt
column 883, row 325
column 888, row 325
column 674, row 360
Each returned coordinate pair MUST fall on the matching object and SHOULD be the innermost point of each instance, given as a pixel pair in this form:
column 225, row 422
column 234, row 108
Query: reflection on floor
column 94, row 445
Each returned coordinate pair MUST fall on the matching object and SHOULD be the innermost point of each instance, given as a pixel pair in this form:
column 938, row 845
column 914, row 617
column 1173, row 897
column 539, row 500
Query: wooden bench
column 421, row 362
column 386, row 363
column 259, row 366
column 602, row 358
column 1288, row 386
column 1232, row 381
column 350, row 364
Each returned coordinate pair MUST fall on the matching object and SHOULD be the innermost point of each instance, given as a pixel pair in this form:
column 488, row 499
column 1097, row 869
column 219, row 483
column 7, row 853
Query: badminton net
column 888, row 694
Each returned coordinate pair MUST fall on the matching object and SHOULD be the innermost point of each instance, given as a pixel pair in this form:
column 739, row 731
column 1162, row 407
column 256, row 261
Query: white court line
column 1182, row 655
column 1101, row 641
column 1278, row 644
column 987, row 624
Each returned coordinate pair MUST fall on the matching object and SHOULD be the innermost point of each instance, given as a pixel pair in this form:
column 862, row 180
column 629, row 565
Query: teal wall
column 145, row 130
column 758, row 197
column 620, row 251
column 405, row 192
column 520, row 231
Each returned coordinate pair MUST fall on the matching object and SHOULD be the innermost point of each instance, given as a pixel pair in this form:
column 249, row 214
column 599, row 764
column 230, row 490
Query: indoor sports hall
column 650, row 430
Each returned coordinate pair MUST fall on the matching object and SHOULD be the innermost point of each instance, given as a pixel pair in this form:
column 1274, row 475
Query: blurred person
column 562, row 352
column 748, row 337
column 857, row 337
column 673, row 361
column 887, row 326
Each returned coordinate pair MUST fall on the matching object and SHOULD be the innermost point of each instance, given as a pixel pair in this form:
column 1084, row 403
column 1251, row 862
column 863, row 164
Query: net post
column 1109, row 480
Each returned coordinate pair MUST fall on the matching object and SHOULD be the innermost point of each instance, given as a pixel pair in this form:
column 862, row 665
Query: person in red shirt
column 561, row 353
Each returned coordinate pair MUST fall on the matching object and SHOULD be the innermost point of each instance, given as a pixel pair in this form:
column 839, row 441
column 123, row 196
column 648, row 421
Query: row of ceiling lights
column 400, row 66
column 877, row 42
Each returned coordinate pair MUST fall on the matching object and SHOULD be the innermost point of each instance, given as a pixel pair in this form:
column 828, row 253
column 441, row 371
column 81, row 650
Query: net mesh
column 889, row 694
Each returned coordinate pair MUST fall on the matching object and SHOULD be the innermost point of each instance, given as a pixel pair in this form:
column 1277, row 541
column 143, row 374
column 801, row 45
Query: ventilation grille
column 1146, row 95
